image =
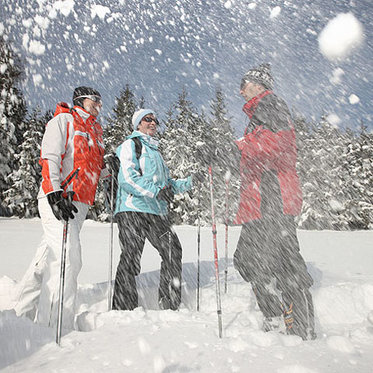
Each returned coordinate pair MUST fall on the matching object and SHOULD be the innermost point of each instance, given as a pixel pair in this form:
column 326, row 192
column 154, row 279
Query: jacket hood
column 62, row 107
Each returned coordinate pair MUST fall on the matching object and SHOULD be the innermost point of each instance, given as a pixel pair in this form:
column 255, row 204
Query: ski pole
column 62, row 282
column 171, row 285
column 110, row 274
column 198, row 253
column 214, row 232
column 227, row 178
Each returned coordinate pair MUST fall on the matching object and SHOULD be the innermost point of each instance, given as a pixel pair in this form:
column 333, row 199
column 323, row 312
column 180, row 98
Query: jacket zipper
column 68, row 180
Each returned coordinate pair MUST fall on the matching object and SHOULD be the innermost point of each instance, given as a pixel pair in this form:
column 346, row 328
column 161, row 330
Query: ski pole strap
column 288, row 317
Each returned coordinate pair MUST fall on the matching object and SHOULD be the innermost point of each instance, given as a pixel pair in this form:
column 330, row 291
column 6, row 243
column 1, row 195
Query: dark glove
column 62, row 207
column 166, row 194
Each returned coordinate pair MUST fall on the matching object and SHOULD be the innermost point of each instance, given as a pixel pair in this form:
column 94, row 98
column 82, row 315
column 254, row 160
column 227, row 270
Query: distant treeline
column 335, row 167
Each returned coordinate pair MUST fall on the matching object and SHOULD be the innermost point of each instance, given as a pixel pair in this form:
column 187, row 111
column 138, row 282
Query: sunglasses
column 94, row 98
column 149, row 120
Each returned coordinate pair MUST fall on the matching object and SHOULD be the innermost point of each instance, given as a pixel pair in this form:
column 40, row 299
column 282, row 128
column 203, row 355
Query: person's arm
column 129, row 178
column 177, row 185
column 181, row 185
column 261, row 146
column 53, row 146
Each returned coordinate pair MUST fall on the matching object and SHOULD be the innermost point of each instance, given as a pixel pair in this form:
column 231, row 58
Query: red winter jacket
column 269, row 150
column 72, row 154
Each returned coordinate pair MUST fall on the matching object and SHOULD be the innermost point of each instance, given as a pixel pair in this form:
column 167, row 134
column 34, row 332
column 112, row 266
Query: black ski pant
column 134, row 228
column 268, row 250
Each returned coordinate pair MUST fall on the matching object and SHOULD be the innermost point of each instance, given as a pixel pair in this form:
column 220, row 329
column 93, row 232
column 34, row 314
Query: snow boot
column 299, row 314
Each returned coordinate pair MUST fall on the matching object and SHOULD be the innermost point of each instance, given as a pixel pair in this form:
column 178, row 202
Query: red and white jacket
column 269, row 148
column 72, row 153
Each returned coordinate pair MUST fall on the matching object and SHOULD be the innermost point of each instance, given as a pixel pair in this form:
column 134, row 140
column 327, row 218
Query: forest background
column 335, row 165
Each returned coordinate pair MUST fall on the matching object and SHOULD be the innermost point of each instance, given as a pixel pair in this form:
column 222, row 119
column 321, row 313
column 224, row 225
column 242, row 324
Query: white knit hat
column 138, row 115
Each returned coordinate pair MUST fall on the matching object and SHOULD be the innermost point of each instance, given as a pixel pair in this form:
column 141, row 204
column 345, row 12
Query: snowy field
column 150, row 340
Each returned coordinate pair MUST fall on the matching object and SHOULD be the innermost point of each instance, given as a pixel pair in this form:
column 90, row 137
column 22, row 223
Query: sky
column 161, row 47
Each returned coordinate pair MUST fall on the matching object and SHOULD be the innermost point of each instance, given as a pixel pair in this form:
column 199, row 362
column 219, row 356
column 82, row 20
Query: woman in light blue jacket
column 144, row 191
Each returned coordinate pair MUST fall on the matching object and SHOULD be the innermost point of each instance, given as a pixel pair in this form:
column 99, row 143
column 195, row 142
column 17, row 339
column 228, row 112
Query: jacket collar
column 82, row 113
column 251, row 105
column 149, row 140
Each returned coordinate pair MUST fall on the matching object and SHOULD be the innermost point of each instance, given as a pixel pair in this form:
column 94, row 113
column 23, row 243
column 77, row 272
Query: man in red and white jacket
column 267, row 253
column 72, row 154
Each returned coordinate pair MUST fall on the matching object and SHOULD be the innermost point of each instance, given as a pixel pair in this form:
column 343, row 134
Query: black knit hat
column 80, row 94
column 261, row 75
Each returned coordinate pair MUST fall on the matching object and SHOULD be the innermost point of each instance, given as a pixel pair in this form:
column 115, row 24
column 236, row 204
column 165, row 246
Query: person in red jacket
column 267, row 253
column 71, row 157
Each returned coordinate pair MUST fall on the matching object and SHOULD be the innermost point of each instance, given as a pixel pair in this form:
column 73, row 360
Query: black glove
column 62, row 207
column 166, row 194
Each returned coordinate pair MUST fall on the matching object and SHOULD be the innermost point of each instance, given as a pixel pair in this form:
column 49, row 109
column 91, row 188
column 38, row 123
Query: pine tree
column 223, row 155
column 305, row 142
column 120, row 123
column 186, row 116
column 322, row 176
column 12, row 113
column 21, row 198
column 191, row 143
column 179, row 145
column 170, row 121
column 358, row 185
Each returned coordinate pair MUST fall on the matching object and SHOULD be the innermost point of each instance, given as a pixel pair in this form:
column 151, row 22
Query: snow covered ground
column 150, row 340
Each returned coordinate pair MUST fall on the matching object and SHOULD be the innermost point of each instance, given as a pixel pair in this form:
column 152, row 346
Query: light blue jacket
column 138, row 191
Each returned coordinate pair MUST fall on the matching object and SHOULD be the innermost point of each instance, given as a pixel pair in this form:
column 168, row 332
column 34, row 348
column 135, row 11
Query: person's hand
column 63, row 208
column 166, row 194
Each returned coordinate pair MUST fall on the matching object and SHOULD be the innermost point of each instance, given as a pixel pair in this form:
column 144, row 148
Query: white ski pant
column 39, row 287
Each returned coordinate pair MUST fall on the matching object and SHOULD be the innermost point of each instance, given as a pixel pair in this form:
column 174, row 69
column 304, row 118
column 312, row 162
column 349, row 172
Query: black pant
column 268, row 249
column 134, row 228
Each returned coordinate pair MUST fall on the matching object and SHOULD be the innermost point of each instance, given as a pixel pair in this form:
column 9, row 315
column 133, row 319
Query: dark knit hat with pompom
column 261, row 75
